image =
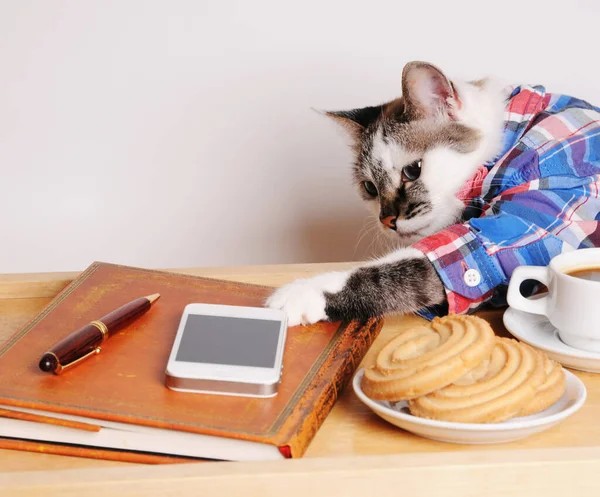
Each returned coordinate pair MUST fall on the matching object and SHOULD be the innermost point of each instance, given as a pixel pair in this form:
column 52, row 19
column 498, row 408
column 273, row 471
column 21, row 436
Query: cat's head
column 414, row 153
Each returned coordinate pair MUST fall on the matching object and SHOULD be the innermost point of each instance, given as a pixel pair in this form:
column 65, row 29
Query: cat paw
column 304, row 300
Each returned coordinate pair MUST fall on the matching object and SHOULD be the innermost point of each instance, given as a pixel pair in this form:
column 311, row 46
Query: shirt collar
column 523, row 104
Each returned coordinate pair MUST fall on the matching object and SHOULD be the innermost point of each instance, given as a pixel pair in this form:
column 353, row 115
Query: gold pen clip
column 62, row 368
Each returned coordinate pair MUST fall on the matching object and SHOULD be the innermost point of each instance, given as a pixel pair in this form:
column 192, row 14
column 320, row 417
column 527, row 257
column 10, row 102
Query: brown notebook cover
column 126, row 381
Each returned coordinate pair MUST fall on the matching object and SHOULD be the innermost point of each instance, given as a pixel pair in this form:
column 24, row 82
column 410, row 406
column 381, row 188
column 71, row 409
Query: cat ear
column 355, row 121
column 427, row 91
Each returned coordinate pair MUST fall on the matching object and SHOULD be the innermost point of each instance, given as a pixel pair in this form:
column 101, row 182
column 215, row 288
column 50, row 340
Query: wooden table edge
column 526, row 473
column 48, row 284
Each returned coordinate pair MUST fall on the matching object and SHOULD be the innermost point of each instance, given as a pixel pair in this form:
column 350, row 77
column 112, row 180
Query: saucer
column 538, row 332
column 478, row 433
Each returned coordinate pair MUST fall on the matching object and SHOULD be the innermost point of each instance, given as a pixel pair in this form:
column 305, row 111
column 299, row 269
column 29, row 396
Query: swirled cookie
column 428, row 357
column 493, row 392
column 550, row 391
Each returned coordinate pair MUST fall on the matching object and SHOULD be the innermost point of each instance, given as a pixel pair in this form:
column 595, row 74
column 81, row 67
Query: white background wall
column 173, row 133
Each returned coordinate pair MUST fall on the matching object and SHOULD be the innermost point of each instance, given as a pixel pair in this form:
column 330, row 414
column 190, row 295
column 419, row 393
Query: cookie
column 494, row 391
column 550, row 391
column 428, row 357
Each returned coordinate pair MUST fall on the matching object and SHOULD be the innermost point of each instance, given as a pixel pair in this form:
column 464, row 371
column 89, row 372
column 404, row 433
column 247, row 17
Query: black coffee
column 586, row 273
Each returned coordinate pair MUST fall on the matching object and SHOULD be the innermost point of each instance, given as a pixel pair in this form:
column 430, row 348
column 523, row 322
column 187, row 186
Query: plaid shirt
column 536, row 199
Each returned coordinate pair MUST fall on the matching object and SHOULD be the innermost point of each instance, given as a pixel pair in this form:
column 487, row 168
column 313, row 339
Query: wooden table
column 354, row 452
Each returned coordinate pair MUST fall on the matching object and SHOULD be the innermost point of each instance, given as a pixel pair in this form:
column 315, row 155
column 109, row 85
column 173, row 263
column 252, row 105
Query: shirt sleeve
column 475, row 258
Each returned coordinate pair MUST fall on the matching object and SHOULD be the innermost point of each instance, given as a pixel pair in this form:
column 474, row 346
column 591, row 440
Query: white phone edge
column 222, row 379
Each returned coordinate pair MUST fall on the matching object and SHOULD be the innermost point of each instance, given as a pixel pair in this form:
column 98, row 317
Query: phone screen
column 229, row 340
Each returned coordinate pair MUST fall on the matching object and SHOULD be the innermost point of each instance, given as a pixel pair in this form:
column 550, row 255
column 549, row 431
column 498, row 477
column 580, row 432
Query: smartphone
column 228, row 350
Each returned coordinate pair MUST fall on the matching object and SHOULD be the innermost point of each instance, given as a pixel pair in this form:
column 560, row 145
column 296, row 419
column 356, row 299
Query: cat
column 420, row 164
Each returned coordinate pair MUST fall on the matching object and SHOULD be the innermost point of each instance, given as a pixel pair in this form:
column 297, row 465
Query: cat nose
column 389, row 222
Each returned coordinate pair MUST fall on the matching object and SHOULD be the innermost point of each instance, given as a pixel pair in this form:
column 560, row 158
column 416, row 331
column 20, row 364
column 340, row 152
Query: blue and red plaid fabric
column 539, row 197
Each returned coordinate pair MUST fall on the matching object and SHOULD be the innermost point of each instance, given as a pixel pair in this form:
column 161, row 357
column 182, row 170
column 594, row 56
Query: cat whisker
column 367, row 228
column 373, row 240
column 376, row 240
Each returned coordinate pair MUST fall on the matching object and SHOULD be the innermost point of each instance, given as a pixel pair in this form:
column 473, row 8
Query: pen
column 86, row 341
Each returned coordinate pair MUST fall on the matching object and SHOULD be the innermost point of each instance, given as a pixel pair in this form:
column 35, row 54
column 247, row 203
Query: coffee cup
column 572, row 303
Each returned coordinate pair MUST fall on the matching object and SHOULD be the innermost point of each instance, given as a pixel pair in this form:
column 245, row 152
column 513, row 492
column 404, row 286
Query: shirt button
column 472, row 277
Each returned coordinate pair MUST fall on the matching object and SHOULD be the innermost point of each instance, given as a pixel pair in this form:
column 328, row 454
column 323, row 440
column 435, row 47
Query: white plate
column 478, row 433
column 538, row 332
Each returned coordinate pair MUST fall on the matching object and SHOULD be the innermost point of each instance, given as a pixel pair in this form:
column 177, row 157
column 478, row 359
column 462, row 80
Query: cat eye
column 370, row 188
column 412, row 171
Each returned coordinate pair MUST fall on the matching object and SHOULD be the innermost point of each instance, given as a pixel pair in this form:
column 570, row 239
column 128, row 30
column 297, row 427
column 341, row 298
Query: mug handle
column 514, row 297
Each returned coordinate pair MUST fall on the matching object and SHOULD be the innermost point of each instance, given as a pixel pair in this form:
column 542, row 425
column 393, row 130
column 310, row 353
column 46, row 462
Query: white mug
column 572, row 304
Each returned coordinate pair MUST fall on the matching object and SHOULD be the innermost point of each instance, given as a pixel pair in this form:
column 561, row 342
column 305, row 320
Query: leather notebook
column 115, row 404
